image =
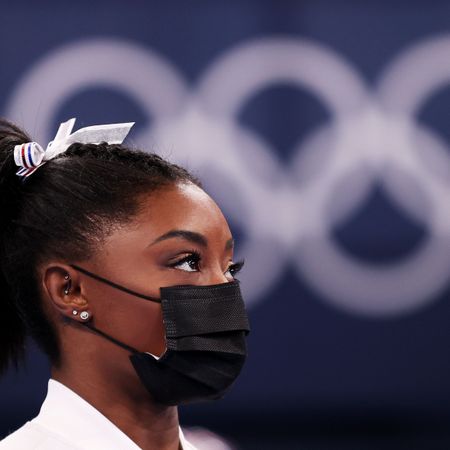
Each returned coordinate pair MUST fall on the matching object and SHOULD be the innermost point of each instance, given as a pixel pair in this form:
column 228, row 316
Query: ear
column 61, row 285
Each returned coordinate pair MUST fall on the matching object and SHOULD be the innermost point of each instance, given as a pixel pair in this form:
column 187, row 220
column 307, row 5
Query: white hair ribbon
column 31, row 155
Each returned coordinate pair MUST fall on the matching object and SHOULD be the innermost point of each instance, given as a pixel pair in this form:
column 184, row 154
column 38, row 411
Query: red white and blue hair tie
column 30, row 156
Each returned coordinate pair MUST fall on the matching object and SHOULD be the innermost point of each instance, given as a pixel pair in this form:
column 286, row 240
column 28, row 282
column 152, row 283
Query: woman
column 121, row 268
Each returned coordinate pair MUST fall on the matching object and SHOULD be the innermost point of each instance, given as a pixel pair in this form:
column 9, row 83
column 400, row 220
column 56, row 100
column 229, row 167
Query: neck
column 126, row 403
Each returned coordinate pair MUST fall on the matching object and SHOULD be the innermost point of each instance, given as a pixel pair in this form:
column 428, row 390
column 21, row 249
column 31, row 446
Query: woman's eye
column 235, row 268
column 189, row 263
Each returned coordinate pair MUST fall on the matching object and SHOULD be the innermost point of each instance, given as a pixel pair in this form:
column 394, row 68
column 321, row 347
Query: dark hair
column 62, row 210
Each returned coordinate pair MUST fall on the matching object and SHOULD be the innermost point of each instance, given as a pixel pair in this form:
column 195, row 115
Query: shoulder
column 32, row 436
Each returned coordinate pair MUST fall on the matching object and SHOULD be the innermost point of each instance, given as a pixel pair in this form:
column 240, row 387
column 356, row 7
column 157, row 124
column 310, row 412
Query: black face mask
column 205, row 336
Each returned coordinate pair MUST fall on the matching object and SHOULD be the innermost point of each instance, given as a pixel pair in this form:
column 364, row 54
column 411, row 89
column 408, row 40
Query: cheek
column 145, row 329
column 137, row 323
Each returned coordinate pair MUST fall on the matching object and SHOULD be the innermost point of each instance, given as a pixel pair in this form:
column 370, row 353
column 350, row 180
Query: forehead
column 181, row 206
column 177, row 207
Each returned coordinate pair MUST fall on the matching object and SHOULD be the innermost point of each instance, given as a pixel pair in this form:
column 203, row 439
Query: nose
column 217, row 277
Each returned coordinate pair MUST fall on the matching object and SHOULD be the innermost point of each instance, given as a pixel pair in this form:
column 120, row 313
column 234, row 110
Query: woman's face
column 179, row 237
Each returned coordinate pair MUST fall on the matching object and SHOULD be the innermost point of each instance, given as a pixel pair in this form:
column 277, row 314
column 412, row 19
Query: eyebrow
column 190, row 236
column 229, row 244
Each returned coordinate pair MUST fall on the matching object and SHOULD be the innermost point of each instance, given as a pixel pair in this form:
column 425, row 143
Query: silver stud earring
column 84, row 315
column 69, row 285
column 66, row 276
column 74, row 312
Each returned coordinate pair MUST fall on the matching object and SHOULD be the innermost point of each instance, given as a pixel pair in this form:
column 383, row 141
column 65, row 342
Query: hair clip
column 29, row 156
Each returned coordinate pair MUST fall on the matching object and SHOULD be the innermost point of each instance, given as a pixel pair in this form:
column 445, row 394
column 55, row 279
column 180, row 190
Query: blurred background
column 322, row 129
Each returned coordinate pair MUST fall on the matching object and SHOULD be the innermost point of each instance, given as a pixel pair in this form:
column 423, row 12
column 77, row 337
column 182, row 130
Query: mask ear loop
column 114, row 285
column 122, row 288
column 111, row 339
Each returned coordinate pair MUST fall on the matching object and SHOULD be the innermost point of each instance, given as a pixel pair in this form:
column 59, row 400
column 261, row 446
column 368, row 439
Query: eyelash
column 192, row 256
column 235, row 268
column 195, row 258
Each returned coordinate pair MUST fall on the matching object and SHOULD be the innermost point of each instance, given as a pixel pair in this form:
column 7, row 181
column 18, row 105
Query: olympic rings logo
column 286, row 214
